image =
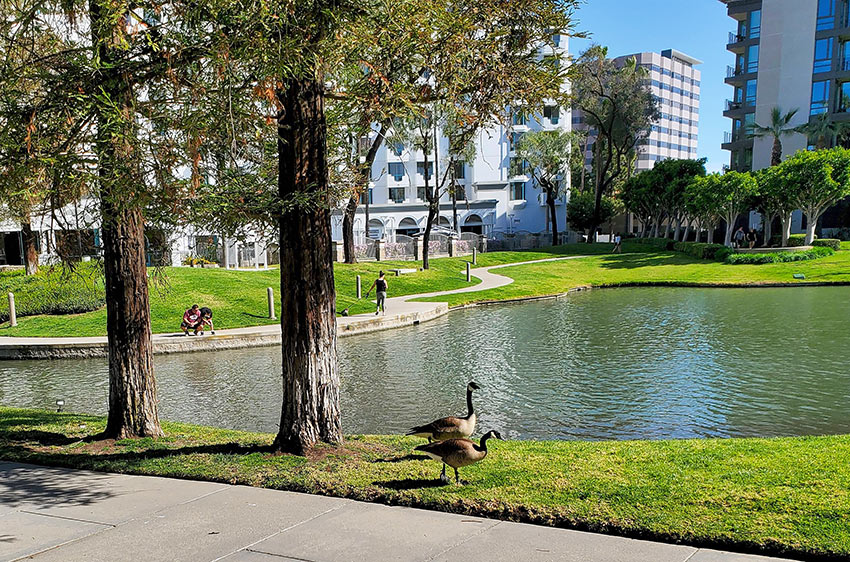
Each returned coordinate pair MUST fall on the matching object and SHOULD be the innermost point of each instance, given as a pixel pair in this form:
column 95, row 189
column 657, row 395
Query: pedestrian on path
column 739, row 237
column 617, row 240
column 380, row 286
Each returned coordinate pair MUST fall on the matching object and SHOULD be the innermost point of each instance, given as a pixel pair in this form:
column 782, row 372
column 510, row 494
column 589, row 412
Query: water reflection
column 612, row 364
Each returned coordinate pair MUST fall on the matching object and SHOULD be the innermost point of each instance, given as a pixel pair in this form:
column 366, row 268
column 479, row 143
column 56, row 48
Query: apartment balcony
column 735, row 42
column 735, row 76
column 737, row 108
column 736, row 140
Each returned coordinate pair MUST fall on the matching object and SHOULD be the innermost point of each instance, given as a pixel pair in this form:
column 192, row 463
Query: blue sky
column 698, row 28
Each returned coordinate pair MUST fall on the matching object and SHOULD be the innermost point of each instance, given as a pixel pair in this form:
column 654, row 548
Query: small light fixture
column 59, row 404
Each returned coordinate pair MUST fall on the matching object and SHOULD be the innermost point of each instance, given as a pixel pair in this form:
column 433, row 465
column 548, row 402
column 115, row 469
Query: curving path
column 401, row 311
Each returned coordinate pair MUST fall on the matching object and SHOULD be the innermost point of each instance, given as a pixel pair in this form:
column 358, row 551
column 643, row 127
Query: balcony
column 736, row 42
column 733, row 105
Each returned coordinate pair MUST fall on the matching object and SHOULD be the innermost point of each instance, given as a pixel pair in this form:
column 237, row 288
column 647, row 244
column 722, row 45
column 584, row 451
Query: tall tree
column 779, row 127
column 733, row 194
column 815, row 181
column 824, row 130
column 617, row 104
column 547, row 156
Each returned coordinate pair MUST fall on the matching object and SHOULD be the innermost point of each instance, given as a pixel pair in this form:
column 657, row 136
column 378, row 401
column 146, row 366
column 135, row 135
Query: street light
column 59, row 404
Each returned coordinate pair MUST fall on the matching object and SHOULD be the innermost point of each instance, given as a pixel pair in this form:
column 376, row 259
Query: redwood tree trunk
column 348, row 229
column 310, row 411
column 30, row 251
column 132, row 385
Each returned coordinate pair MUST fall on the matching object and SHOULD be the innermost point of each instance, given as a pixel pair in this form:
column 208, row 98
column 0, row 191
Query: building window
column 739, row 95
column 749, row 123
column 823, row 55
column 755, row 24
column 396, row 170
column 742, row 31
column 752, row 90
column 519, row 117
column 397, row 194
column 420, row 193
column 420, row 169
column 844, row 97
column 514, row 139
column 398, row 148
column 363, row 197
column 518, row 191
column 820, row 97
column 753, row 59
column 518, row 167
column 552, row 113
column 826, row 14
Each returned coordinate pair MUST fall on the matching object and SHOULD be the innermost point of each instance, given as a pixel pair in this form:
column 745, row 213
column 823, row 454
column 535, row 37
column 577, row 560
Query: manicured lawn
column 783, row 496
column 651, row 267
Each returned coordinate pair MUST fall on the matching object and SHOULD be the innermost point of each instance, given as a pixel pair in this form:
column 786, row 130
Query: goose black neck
column 469, row 410
column 484, row 439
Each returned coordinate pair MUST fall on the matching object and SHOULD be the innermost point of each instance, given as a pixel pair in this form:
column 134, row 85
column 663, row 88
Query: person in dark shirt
column 380, row 286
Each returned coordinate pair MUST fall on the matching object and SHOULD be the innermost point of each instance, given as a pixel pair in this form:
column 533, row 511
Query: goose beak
column 473, row 386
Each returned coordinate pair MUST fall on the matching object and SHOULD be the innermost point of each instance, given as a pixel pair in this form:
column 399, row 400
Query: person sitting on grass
column 190, row 319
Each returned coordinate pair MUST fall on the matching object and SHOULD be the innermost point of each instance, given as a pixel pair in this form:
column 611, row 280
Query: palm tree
column 779, row 127
column 824, row 130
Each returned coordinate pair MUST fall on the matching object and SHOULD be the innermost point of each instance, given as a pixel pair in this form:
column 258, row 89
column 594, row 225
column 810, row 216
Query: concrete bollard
column 270, row 294
column 468, row 274
column 474, row 256
column 359, row 288
column 13, row 318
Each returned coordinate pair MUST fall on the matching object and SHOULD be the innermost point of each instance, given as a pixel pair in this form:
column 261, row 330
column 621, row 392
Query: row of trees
column 231, row 114
column 679, row 192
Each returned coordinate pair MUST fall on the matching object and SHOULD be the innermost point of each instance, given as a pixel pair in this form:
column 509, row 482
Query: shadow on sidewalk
column 410, row 484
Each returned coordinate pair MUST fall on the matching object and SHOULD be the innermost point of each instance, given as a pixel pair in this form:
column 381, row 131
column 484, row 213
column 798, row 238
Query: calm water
column 607, row 364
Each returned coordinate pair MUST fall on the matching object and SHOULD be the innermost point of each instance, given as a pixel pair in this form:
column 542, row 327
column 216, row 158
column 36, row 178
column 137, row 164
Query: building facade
column 790, row 54
column 491, row 197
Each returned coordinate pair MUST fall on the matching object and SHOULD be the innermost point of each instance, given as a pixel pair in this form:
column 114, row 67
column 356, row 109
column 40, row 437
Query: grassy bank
column 652, row 267
column 239, row 297
column 783, row 496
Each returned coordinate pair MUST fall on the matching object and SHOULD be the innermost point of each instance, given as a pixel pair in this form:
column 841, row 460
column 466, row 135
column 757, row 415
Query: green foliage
column 796, row 240
column 53, row 290
column 780, row 257
column 663, row 244
column 580, row 211
column 833, row 243
column 700, row 250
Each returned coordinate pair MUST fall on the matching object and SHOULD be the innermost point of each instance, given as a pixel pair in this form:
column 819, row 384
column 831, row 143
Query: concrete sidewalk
column 400, row 312
column 69, row 515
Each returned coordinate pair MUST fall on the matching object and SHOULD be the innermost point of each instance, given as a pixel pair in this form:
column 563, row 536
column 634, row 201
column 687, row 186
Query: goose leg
column 458, row 480
column 443, row 477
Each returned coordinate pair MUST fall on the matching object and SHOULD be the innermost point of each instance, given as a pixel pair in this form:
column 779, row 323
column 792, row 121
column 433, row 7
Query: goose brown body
column 451, row 427
column 458, row 453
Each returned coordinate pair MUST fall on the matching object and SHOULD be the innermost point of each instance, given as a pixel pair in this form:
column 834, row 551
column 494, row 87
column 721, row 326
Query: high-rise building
column 675, row 83
column 790, row 54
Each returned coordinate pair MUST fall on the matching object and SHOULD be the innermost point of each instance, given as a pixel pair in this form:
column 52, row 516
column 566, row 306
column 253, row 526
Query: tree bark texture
column 550, row 200
column 310, row 410
column 776, row 153
column 30, row 251
column 348, row 229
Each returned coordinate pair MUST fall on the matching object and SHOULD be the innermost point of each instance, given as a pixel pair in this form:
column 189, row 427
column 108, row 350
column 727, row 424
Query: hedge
column 780, row 257
column 698, row 250
column 833, row 243
column 659, row 243
column 53, row 290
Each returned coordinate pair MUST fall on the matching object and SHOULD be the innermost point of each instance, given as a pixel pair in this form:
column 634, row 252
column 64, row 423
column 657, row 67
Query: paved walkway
column 68, row 515
column 401, row 312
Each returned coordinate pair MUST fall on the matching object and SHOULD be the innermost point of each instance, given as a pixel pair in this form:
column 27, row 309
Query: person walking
column 739, row 237
column 752, row 238
column 380, row 286
column 617, row 240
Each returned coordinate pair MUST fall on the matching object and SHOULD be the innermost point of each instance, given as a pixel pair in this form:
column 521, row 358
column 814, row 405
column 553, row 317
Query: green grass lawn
column 650, row 267
column 239, row 297
column 782, row 496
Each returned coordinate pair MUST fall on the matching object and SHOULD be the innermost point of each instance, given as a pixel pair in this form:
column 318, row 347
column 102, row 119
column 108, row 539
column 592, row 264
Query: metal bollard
column 468, row 275
column 270, row 293
column 474, row 256
column 13, row 318
column 359, row 289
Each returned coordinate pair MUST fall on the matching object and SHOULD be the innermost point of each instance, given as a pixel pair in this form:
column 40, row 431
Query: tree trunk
column 776, row 153
column 667, row 227
column 310, row 410
column 812, row 216
column 678, row 231
column 768, row 229
column 433, row 211
column 730, row 227
column 30, row 251
column 348, row 228
column 550, row 200
column 132, row 385
column 597, row 205
column 709, row 233
column 785, row 219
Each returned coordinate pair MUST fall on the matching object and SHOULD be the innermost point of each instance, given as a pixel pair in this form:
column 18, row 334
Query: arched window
column 407, row 227
column 473, row 223
column 376, row 229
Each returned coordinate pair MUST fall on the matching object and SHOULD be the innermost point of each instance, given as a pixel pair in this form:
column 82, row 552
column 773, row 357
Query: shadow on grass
column 637, row 261
column 410, row 457
column 410, row 484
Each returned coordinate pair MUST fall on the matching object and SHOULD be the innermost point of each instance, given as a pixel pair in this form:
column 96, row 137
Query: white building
column 493, row 200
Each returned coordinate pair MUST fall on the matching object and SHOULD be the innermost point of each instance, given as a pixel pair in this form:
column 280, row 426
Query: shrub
column 780, row 257
column 796, row 240
column 699, row 250
column 195, row 260
column 659, row 243
column 833, row 243
column 54, row 290
column 723, row 253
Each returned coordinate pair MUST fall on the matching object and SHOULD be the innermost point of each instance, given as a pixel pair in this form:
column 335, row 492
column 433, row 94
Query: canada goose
column 451, row 427
column 458, row 452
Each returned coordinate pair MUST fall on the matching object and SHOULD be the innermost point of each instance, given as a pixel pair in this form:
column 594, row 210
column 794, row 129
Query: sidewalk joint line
column 66, row 518
column 467, row 539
